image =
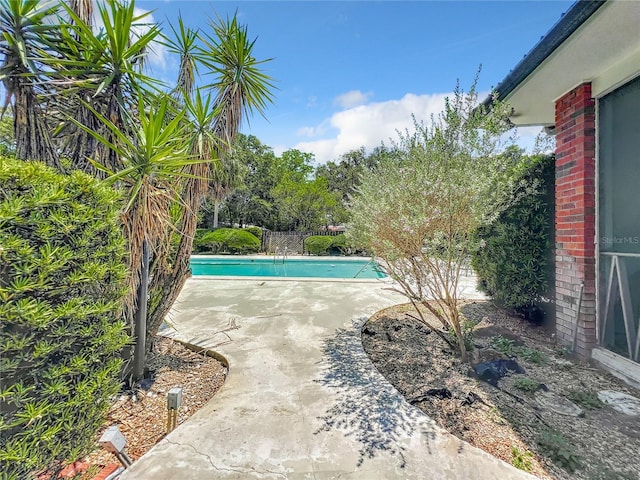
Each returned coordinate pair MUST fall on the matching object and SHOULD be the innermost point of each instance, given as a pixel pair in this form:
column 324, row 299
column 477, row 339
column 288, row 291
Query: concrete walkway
column 302, row 400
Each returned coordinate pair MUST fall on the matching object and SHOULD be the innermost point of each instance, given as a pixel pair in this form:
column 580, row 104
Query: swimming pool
column 312, row 267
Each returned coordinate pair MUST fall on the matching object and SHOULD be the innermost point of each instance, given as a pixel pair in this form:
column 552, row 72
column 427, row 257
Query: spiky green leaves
column 62, row 280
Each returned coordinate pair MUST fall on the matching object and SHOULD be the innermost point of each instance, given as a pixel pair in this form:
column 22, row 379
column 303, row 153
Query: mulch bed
column 508, row 420
column 141, row 413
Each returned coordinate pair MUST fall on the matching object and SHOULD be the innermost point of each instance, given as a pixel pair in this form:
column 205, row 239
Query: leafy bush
column 255, row 231
column 318, row 244
column 559, row 450
column 339, row 244
column 508, row 347
column 227, row 240
column 526, row 384
column 62, row 281
column 326, row 244
column 513, row 260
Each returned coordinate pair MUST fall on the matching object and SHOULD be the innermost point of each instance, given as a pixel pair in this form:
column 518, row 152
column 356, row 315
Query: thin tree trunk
column 216, row 209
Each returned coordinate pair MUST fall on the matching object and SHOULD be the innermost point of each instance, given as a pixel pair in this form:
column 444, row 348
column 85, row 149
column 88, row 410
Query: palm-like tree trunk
column 241, row 88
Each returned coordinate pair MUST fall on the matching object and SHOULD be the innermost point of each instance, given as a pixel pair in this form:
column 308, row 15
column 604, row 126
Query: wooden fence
column 293, row 242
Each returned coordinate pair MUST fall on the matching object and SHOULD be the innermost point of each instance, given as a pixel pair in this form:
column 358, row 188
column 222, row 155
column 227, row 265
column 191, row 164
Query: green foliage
column 526, row 384
column 467, row 334
column 62, row 281
column 559, row 450
column 513, row 254
column 255, row 231
column 508, row 347
column 7, row 140
column 305, row 205
column 326, row 244
column 340, row 244
column 227, row 240
column 585, row 399
column 318, row 244
column 521, row 460
column 418, row 209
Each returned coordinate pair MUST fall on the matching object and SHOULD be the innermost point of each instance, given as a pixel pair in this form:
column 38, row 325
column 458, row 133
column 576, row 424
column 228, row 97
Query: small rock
column 620, row 402
column 558, row 404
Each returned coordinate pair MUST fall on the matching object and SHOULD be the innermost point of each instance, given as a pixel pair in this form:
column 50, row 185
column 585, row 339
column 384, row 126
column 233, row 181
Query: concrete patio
column 302, row 400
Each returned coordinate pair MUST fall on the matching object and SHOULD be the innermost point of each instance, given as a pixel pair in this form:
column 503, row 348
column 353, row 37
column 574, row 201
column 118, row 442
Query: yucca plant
column 26, row 35
column 101, row 71
column 240, row 88
column 62, row 279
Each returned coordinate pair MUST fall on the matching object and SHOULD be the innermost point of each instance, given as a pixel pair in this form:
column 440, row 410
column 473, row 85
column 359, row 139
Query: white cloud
column 369, row 125
column 351, row 99
column 157, row 55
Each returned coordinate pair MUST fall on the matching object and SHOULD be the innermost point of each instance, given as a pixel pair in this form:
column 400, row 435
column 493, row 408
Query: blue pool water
column 292, row 267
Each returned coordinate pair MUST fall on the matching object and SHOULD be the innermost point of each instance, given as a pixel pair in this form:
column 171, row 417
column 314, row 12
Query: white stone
column 558, row 404
column 620, row 402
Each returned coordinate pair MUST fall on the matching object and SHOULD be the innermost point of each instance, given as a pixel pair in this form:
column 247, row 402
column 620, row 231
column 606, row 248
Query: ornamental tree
column 417, row 212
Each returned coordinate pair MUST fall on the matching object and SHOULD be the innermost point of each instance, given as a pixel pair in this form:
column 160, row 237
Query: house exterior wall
column 575, row 217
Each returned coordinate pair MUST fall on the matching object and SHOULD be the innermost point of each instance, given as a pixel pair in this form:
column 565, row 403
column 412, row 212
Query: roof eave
column 563, row 29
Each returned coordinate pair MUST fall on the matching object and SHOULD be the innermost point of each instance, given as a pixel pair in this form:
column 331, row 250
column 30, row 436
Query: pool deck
column 302, row 400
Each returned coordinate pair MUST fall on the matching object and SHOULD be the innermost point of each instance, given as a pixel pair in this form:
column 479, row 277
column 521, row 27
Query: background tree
column 227, row 174
column 306, row 205
column 417, row 213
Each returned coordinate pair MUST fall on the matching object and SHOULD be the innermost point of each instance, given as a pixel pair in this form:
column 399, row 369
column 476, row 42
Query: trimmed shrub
column 514, row 261
column 326, row 244
column 255, row 231
column 227, row 240
column 339, row 244
column 318, row 244
column 62, row 281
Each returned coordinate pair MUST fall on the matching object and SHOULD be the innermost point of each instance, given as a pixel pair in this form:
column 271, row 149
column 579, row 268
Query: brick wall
column 575, row 217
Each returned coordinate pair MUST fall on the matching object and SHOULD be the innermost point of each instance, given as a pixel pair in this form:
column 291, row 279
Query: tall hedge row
column 62, row 279
column 514, row 261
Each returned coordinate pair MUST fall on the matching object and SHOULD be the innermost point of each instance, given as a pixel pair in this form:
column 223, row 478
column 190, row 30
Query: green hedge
column 514, row 261
column 62, row 281
column 326, row 244
column 226, row 240
column 255, row 231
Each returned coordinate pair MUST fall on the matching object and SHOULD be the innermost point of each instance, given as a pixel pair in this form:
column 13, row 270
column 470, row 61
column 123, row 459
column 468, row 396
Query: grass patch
column 585, row 399
column 508, row 347
column 521, row 460
column 526, row 384
column 559, row 450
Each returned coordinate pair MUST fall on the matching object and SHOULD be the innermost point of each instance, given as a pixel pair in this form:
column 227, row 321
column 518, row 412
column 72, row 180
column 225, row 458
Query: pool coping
column 293, row 279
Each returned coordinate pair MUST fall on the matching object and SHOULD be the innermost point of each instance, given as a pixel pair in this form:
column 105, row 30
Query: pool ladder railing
column 363, row 267
column 284, row 255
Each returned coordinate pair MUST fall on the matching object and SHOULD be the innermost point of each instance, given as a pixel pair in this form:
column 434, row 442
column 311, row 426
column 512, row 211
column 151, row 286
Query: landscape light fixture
column 174, row 400
column 113, row 441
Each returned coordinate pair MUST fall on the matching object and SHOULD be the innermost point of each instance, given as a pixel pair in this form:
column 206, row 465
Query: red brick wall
column 575, row 217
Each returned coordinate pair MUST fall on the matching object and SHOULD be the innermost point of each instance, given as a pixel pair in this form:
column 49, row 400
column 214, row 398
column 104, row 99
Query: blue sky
column 351, row 73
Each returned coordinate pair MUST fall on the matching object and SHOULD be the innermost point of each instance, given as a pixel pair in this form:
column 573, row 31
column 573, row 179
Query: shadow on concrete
column 368, row 408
